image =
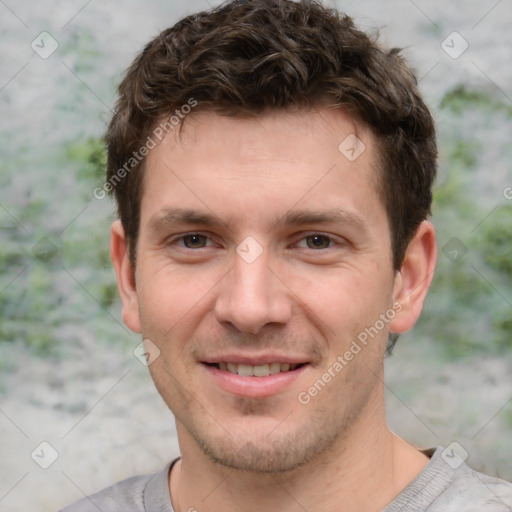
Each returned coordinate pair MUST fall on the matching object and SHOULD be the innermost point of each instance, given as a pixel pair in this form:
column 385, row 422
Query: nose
column 252, row 297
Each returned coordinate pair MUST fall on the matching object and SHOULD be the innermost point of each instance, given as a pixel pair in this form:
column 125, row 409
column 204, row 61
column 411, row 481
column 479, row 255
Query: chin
column 254, row 459
column 267, row 450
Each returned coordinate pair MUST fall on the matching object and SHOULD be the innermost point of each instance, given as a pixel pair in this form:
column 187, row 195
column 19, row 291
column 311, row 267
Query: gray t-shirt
column 438, row 488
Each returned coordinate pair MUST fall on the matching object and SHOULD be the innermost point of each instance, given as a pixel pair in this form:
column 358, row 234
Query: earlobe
column 414, row 278
column 125, row 274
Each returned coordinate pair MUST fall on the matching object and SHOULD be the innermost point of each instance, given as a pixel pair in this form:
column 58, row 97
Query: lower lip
column 254, row 387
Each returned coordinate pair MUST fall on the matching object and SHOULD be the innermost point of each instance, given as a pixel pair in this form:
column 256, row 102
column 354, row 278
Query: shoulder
column 127, row 495
column 472, row 491
column 130, row 495
column 447, row 484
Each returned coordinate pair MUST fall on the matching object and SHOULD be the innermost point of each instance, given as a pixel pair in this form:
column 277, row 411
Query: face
column 263, row 253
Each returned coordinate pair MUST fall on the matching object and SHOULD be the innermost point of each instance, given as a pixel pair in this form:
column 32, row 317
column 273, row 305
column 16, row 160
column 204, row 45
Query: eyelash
column 332, row 240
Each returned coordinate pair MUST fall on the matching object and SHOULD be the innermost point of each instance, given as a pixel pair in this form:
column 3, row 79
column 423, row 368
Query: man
column 273, row 168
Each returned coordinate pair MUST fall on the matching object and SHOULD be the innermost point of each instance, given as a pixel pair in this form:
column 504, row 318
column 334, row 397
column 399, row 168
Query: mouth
column 260, row 370
column 257, row 380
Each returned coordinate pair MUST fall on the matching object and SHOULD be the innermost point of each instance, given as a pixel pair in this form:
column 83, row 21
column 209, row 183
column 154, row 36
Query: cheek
column 168, row 295
column 173, row 303
column 356, row 332
column 345, row 301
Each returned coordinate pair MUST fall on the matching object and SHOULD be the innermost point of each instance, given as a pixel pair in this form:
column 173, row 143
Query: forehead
column 275, row 161
column 275, row 133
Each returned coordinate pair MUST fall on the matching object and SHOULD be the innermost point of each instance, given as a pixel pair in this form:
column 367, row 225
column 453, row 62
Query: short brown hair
column 247, row 57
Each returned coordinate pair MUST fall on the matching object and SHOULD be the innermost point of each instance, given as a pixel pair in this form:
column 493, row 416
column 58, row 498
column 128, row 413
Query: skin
column 197, row 298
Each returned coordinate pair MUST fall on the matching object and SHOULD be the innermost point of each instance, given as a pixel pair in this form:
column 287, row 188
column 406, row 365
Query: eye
column 316, row 241
column 193, row 241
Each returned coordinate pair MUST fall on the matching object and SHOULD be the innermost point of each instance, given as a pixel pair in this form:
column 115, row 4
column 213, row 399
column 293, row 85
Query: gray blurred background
column 69, row 377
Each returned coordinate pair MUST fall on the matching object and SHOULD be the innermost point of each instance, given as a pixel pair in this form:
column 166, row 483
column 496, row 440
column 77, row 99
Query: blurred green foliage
column 460, row 99
column 92, row 156
column 497, row 242
column 56, row 275
column 469, row 309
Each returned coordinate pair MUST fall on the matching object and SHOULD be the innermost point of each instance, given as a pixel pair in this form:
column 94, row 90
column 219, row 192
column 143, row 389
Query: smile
column 260, row 370
column 260, row 380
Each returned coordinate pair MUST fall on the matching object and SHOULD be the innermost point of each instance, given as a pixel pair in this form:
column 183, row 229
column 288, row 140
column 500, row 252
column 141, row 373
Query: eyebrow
column 178, row 216
column 333, row 216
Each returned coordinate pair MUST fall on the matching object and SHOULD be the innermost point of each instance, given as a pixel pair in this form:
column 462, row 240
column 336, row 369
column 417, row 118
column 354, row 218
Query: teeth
column 245, row 370
column 275, row 368
column 261, row 370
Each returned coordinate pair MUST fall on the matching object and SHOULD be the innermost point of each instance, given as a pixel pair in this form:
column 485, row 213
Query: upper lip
column 255, row 360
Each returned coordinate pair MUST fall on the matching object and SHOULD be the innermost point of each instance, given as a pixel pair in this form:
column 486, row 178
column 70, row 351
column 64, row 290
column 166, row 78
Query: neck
column 368, row 458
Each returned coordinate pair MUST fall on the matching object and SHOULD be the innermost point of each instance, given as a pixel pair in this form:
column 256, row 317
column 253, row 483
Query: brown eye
column 318, row 242
column 194, row 241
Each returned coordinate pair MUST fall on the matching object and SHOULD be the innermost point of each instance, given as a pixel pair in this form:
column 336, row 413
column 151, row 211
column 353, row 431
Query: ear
column 414, row 278
column 125, row 274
